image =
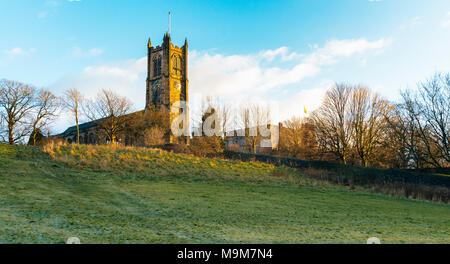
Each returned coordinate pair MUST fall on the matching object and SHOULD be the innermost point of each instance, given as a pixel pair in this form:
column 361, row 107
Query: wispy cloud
column 411, row 23
column 42, row 14
column 446, row 21
column 335, row 50
column 18, row 51
column 50, row 8
column 416, row 20
column 80, row 53
column 15, row 51
column 14, row 55
column 282, row 52
column 127, row 77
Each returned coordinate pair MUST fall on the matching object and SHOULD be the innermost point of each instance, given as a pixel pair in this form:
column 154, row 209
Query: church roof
column 81, row 127
column 92, row 124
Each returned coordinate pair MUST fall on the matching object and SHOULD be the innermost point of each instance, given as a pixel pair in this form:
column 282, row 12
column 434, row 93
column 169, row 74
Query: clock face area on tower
column 156, row 85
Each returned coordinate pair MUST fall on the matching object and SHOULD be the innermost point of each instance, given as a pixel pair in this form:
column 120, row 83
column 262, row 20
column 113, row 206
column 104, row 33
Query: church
column 166, row 84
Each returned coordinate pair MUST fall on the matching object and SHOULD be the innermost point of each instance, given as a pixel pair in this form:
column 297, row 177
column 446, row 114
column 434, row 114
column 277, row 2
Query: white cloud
column 335, row 50
column 95, row 52
column 126, row 78
column 415, row 21
column 42, row 14
column 270, row 55
column 232, row 78
column 79, row 52
column 247, row 75
column 50, row 8
column 241, row 75
column 310, row 99
column 15, row 51
column 52, row 3
column 18, row 51
column 446, row 21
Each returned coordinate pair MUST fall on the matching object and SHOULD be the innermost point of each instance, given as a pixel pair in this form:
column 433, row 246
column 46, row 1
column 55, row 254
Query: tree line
column 26, row 111
column 354, row 125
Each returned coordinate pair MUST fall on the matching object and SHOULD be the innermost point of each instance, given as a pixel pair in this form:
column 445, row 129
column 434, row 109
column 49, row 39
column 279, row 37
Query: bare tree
column 110, row 112
column 368, row 113
column 332, row 123
column 209, row 141
column 45, row 110
column 2, row 128
column 224, row 114
column 255, row 124
column 434, row 102
column 297, row 138
column 404, row 135
column 16, row 102
column 430, row 109
column 291, row 136
column 72, row 101
column 262, row 119
column 245, row 124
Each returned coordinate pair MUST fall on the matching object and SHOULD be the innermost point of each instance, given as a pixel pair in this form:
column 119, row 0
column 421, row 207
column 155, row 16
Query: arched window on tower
column 176, row 65
column 157, row 66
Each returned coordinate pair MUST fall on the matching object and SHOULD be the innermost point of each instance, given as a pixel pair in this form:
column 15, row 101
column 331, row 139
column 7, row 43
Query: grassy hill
column 128, row 195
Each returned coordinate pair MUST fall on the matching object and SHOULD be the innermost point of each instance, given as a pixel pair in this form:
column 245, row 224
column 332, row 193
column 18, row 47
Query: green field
column 124, row 195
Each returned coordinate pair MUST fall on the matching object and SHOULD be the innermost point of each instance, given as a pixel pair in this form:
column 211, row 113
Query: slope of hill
column 128, row 195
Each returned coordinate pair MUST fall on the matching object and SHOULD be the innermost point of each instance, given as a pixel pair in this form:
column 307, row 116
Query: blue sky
column 288, row 52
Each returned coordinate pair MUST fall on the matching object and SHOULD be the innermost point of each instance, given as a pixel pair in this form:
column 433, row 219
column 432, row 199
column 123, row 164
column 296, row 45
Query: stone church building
column 166, row 84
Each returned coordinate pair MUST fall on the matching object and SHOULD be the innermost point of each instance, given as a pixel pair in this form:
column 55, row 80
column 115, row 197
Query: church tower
column 167, row 80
